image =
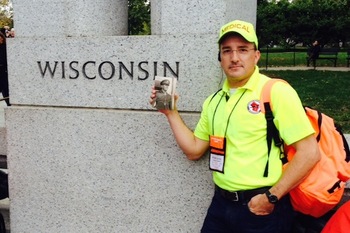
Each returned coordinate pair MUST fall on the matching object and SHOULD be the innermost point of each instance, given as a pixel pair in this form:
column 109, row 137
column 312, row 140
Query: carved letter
column 100, row 70
column 76, row 71
column 63, row 70
column 143, row 70
column 84, row 70
column 166, row 66
column 155, row 69
column 130, row 73
column 47, row 66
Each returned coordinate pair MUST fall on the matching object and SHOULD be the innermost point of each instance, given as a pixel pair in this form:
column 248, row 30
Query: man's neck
column 234, row 83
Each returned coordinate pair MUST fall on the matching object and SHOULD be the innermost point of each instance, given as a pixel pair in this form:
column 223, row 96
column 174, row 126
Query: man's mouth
column 235, row 67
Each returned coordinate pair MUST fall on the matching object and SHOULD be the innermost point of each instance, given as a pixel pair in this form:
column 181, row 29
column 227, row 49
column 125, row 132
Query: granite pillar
column 86, row 152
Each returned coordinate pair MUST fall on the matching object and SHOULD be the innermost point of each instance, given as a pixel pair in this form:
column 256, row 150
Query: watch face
column 272, row 198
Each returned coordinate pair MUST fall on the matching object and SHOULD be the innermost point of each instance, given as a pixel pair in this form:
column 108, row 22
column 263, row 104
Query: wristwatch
column 272, row 198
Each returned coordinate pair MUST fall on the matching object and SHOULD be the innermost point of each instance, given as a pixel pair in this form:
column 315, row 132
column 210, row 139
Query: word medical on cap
column 236, row 25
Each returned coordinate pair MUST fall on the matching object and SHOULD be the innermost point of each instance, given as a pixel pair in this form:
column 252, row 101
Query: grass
column 327, row 91
column 298, row 58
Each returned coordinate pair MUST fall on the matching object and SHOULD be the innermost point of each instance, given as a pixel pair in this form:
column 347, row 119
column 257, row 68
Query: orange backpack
column 323, row 188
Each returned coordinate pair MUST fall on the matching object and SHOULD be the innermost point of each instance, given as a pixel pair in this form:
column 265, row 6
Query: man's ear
column 257, row 56
column 219, row 57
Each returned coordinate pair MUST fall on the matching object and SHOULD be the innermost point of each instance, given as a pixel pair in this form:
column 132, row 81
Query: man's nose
column 234, row 56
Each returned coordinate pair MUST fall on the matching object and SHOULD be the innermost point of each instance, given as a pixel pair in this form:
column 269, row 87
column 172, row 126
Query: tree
column 303, row 21
column 271, row 21
column 6, row 13
column 139, row 17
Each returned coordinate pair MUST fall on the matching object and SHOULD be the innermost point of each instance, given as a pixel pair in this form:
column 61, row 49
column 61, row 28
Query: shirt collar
column 250, row 85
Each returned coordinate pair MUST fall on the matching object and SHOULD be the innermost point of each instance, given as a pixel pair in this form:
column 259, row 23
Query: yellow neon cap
column 243, row 28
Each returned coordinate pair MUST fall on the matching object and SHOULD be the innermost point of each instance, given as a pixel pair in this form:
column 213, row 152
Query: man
column 233, row 128
column 313, row 53
column 163, row 98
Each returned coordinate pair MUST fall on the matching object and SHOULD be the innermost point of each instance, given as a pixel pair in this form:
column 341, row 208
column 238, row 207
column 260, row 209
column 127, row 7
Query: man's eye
column 226, row 51
column 243, row 50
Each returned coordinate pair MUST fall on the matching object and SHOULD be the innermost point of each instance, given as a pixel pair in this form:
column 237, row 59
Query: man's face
column 165, row 87
column 238, row 59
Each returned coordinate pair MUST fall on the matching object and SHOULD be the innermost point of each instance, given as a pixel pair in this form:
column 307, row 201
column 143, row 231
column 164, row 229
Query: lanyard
column 228, row 119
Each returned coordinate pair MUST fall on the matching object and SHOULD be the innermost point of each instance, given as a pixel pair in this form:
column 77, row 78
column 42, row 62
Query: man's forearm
column 305, row 158
column 189, row 144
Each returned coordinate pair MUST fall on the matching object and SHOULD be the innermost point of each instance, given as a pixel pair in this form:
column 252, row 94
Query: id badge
column 217, row 153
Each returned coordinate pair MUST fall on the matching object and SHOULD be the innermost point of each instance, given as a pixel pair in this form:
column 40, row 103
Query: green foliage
column 139, row 17
column 4, row 2
column 6, row 14
column 5, row 20
column 303, row 21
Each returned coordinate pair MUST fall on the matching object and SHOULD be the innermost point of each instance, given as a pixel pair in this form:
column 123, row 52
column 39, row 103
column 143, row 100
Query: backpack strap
column 319, row 121
column 347, row 159
column 271, row 130
column 346, row 145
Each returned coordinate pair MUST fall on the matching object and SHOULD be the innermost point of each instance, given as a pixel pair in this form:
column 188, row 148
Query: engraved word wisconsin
column 107, row 70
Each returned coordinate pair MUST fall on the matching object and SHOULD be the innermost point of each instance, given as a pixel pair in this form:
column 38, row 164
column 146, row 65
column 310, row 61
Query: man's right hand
column 152, row 101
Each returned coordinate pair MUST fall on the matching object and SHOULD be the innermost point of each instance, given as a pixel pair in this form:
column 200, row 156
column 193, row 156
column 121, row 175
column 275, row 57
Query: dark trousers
column 312, row 58
column 225, row 216
column 4, row 84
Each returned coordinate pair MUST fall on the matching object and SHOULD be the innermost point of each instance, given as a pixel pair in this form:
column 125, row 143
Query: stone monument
column 86, row 152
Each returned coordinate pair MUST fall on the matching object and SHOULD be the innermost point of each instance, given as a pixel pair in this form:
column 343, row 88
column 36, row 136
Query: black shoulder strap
column 319, row 121
column 271, row 134
column 214, row 95
column 346, row 145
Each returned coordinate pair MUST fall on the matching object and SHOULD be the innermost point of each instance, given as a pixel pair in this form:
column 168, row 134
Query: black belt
column 240, row 196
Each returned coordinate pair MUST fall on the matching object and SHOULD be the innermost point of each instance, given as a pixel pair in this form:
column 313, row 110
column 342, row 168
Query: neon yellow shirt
column 245, row 126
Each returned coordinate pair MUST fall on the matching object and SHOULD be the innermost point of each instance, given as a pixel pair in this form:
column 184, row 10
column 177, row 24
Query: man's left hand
column 260, row 205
